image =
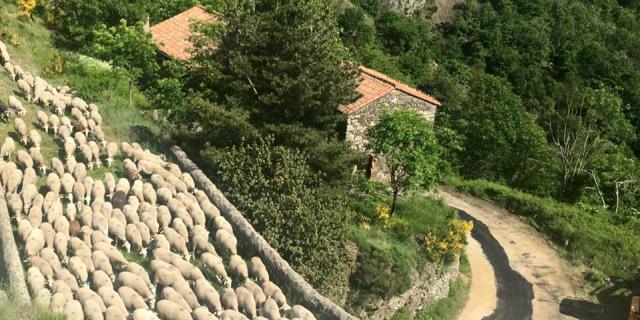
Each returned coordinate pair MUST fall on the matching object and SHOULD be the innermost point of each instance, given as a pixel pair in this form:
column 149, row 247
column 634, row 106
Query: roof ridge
column 400, row 85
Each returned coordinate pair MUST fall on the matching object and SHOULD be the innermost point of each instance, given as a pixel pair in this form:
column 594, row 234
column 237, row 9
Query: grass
column 10, row 309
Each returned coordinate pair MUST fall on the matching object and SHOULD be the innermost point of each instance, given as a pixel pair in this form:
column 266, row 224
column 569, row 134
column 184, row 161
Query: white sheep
column 177, row 242
column 14, row 204
column 95, row 153
column 117, row 230
column 80, row 172
column 85, row 294
column 43, row 266
column 172, row 311
column 53, row 183
column 112, row 299
column 46, row 98
column 269, row 310
column 8, row 148
column 226, row 241
column 35, row 242
column 61, row 245
column 229, row 299
column 25, row 89
column 73, row 310
column 142, row 273
column 168, row 293
column 115, row 256
column 246, row 302
column 210, row 211
column 58, row 301
column 258, row 270
column 92, row 310
column 79, row 270
column 144, row 314
column 21, row 129
column 131, row 280
column 221, row 223
column 238, row 267
column 134, row 238
column 59, row 105
column 35, row 138
column 38, row 159
column 69, row 280
column 9, row 67
column 61, row 224
column 57, row 166
column 132, row 300
column 216, row 265
column 43, row 119
column 61, row 287
column 255, row 290
column 49, row 234
column 101, row 262
column 69, row 147
column 35, row 279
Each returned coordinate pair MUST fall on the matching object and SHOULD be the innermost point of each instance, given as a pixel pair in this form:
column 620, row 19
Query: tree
column 405, row 143
column 287, row 204
column 128, row 48
column 283, row 60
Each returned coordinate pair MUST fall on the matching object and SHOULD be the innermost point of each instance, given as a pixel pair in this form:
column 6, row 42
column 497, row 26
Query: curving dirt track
column 530, row 256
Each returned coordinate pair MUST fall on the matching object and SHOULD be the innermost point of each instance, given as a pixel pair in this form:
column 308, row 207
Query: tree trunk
column 130, row 93
column 394, row 201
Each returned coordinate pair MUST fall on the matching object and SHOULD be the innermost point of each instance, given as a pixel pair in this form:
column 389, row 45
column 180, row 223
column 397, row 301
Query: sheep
column 85, row 150
column 79, row 104
column 202, row 313
column 53, row 183
column 86, row 215
column 35, row 279
column 164, row 195
column 131, row 170
column 183, row 288
column 69, row 147
column 57, row 303
column 35, row 138
column 229, row 299
column 24, row 229
column 73, row 310
column 59, row 105
column 99, row 135
column 38, row 159
column 85, row 294
column 61, row 245
column 8, row 148
column 61, row 224
column 255, row 290
column 43, row 119
column 10, row 69
column 142, row 273
column 165, row 277
column 80, row 172
column 226, row 241
column 145, row 234
column 61, row 287
column 299, row 312
column 21, row 129
column 35, row 242
column 134, row 238
column 92, row 310
column 183, row 214
column 187, row 270
column 144, row 314
column 68, row 279
column 46, row 98
column 35, row 213
column 29, row 178
column 107, row 210
column 138, row 284
column 43, row 266
column 132, row 300
column 100, row 279
column 160, row 241
column 246, row 302
column 181, row 228
column 101, row 263
column 57, row 166
column 214, row 263
column 270, row 310
column 95, row 153
column 112, row 299
column 168, row 293
column 117, row 230
column 221, row 223
column 67, row 182
column 237, row 267
column 200, row 241
column 170, row 310
column 78, row 191
column 177, row 242
column 14, row 204
column 49, row 255
column 64, row 132
column 115, row 256
column 24, row 88
column 49, row 234
column 210, row 211
column 232, row 315
column 273, row 291
column 79, row 270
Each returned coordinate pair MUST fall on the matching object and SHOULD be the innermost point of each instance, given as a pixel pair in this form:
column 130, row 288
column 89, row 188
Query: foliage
column 384, row 269
column 452, row 305
column 284, row 201
column 283, row 61
column 56, row 66
column 26, row 6
column 588, row 234
column 129, row 48
column 439, row 248
column 407, row 148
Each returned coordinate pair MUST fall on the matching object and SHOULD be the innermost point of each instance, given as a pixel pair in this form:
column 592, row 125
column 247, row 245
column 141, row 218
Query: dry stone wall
column 277, row 266
column 11, row 256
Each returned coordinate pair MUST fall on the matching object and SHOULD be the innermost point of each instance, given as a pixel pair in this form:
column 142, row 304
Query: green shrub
column 587, row 233
column 384, row 268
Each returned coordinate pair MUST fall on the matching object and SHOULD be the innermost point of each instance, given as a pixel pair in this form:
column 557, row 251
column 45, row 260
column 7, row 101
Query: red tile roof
column 172, row 35
column 374, row 85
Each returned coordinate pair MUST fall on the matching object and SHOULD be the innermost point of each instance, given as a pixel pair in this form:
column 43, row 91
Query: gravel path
column 531, row 256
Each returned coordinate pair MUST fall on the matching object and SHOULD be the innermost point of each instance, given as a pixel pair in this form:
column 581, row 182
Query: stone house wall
column 360, row 120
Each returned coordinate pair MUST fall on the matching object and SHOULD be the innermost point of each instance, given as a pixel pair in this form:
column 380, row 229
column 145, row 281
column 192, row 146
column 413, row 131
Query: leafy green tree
column 128, row 48
column 283, row 60
column 284, row 201
column 407, row 147
column 355, row 30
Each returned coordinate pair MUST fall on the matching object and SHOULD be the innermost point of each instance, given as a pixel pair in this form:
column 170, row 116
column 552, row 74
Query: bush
column 286, row 203
column 587, row 234
column 384, row 268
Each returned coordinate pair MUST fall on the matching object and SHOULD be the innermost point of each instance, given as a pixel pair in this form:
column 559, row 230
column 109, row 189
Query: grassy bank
column 589, row 235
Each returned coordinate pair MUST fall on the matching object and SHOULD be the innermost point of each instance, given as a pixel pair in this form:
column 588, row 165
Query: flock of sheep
column 74, row 230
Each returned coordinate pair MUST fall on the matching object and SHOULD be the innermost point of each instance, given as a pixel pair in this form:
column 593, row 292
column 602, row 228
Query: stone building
column 380, row 92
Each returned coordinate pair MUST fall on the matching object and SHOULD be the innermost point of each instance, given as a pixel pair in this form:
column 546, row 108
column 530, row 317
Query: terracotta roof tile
column 172, row 35
column 374, row 85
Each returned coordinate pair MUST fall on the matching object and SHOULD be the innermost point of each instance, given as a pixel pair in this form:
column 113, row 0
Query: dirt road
column 483, row 292
column 529, row 255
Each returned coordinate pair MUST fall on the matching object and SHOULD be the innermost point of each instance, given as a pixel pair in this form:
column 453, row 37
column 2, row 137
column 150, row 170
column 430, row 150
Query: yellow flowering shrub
column 55, row 66
column 26, row 6
column 437, row 248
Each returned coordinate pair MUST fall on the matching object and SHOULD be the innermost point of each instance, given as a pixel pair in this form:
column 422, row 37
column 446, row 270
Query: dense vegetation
column 539, row 96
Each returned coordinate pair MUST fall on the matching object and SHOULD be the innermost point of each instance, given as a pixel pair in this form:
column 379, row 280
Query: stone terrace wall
column 429, row 287
column 303, row 293
column 11, row 256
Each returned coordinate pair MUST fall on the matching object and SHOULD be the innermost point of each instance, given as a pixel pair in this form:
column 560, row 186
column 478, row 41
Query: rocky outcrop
column 429, row 287
column 279, row 268
column 408, row 7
